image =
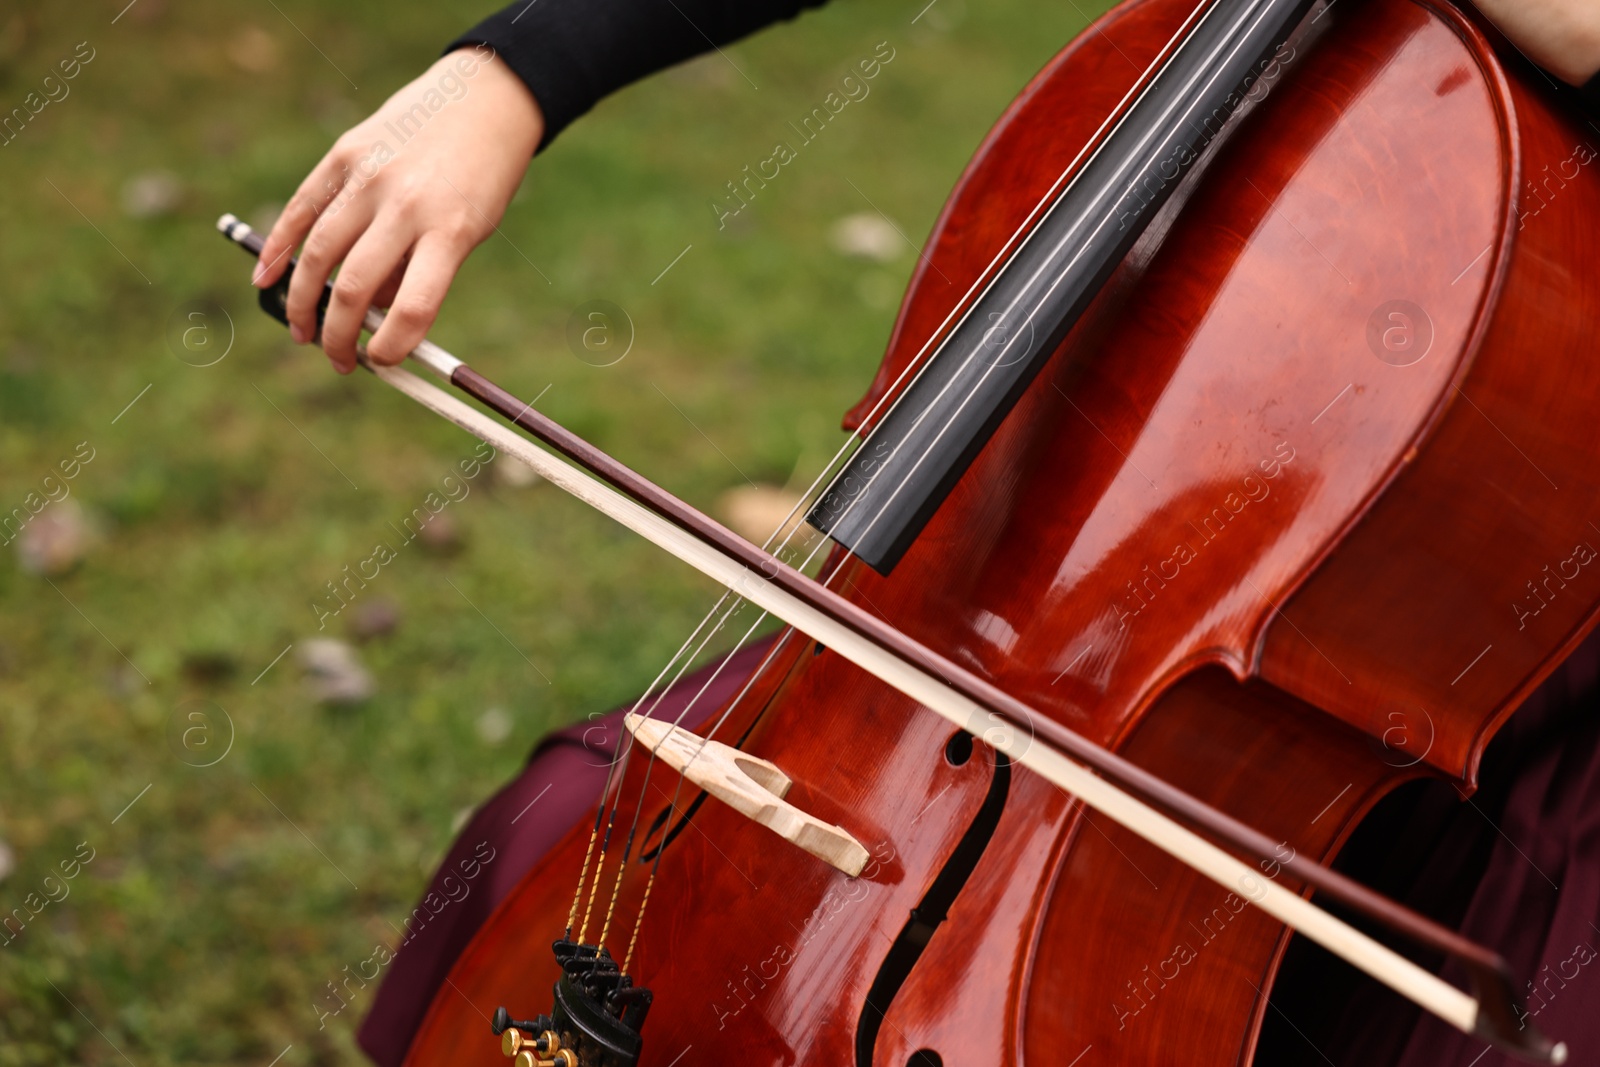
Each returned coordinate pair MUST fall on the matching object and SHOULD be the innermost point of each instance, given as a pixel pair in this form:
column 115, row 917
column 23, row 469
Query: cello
column 1236, row 407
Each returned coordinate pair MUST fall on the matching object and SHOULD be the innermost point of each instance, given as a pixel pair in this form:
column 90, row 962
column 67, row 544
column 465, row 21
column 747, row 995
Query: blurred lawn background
column 219, row 905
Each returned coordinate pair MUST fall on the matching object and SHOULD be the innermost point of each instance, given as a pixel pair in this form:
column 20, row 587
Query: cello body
column 1298, row 512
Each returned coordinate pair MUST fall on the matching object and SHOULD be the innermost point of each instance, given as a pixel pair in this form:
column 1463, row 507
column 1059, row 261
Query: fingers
column 331, row 239
column 433, row 267
column 296, row 220
column 366, row 270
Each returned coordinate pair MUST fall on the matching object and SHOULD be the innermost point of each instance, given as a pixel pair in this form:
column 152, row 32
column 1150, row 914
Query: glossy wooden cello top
column 1227, row 421
column 1326, row 430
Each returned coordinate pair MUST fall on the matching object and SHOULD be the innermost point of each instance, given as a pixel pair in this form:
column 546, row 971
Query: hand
column 1562, row 36
column 400, row 200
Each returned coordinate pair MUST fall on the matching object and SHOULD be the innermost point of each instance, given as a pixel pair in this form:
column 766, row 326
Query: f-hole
column 647, row 851
column 930, row 911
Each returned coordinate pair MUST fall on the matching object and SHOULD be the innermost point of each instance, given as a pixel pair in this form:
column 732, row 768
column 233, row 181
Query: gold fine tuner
column 542, row 1051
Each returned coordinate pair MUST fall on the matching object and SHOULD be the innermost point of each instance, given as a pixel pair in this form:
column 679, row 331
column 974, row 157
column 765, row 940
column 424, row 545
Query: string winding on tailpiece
column 596, row 1020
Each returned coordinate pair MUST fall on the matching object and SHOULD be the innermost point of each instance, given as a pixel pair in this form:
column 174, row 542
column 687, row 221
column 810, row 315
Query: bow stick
column 1096, row 776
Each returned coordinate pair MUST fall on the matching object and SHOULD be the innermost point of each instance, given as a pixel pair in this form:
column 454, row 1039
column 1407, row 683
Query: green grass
column 207, row 922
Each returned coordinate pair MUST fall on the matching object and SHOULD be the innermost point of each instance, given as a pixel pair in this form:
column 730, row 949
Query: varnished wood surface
column 1222, row 395
column 1444, row 605
column 1116, row 951
column 774, row 932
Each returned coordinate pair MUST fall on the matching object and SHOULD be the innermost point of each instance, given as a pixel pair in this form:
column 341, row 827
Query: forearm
column 1562, row 36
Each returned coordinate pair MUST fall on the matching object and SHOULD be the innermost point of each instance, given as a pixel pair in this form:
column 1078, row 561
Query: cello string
column 684, row 661
column 689, row 705
column 988, row 276
column 974, row 354
column 678, row 789
column 621, row 761
column 892, row 395
column 627, row 742
column 611, row 767
column 918, row 362
column 1257, row 14
column 638, row 808
column 917, row 366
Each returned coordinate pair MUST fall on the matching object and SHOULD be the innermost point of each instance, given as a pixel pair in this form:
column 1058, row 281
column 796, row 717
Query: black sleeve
column 571, row 53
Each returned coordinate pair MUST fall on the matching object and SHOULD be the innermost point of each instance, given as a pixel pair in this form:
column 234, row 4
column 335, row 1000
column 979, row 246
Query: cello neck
column 1222, row 62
